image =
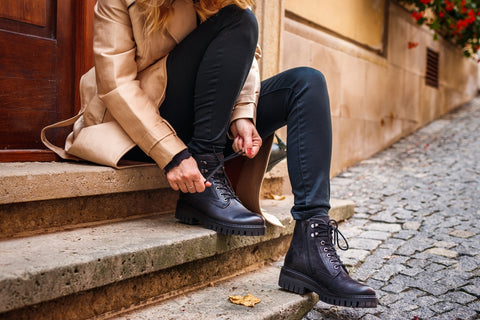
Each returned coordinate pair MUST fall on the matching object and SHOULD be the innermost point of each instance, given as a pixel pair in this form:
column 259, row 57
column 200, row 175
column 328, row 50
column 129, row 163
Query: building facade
column 386, row 75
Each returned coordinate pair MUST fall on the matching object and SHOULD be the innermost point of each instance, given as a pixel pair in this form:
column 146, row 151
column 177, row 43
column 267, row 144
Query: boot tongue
column 212, row 166
column 327, row 229
column 210, row 161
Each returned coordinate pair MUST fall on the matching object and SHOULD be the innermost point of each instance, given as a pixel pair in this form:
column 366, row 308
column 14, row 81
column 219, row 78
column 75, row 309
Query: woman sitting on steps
column 177, row 82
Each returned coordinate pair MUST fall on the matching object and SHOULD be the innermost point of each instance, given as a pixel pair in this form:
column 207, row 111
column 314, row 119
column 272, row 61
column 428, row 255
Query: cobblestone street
column 415, row 236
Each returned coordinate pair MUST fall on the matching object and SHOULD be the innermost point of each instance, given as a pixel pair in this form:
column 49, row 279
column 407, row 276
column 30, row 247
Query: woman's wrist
column 179, row 157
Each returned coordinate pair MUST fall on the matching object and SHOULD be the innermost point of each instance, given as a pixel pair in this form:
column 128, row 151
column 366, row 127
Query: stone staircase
column 79, row 241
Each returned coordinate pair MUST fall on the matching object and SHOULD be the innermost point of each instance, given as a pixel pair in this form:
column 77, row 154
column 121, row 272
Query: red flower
column 441, row 14
column 471, row 16
column 463, row 3
column 425, row 1
column 417, row 15
column 449, row 6
column 412, row 45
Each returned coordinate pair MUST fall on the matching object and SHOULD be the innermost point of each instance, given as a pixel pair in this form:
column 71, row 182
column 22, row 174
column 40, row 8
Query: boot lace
column 333, row 239
column 222, row 183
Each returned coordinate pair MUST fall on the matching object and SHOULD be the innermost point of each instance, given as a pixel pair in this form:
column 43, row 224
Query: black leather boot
column 312, row 264
column 218, row 208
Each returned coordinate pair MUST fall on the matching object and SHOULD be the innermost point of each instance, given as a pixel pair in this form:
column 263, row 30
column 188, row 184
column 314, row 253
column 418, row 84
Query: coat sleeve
column 246, row 104
column 120, row 90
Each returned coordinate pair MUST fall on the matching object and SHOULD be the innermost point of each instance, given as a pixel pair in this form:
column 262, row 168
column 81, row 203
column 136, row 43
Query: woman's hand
column 186, row 177
column 246, row 136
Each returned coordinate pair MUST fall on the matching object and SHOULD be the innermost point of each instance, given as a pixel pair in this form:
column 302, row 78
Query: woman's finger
column 191, row 188
column 173, row 185
column 237, row 144
column 247, row 143
column 183, row 187
column 199, row 185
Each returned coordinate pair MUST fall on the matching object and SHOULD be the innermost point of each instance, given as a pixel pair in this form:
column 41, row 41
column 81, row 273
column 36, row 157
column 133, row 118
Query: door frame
column 74, row 31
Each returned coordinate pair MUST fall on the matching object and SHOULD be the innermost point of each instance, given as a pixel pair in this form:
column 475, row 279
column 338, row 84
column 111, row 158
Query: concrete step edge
column 213, row 302
column 33, row 181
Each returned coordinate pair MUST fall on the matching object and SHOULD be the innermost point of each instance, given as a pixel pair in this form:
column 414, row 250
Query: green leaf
column 435, row 25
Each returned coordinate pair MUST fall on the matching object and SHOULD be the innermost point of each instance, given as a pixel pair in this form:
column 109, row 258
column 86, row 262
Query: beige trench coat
column 120, row 97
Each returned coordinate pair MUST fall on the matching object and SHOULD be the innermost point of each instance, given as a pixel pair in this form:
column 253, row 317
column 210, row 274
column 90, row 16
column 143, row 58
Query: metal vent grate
column 431, row 77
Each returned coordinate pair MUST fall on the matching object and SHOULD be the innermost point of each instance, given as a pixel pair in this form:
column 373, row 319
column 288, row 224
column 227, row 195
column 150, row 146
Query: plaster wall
column 359, row 20
column 378, row 98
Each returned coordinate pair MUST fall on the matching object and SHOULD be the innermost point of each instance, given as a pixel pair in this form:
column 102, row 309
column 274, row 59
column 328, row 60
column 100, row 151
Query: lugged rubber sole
column 297, row 282
column 192, row 216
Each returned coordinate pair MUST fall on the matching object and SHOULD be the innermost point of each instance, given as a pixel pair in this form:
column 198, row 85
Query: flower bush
column 455, row 20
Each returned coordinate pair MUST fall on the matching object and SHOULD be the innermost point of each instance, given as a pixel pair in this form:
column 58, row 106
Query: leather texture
column 312, row 264
column 218, row 208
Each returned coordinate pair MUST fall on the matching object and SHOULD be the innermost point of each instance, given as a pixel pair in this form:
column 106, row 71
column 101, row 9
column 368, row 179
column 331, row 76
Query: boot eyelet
column 329, row 255
column 325, row 249
column 335, row 267
column 312, row 226
column 312, row 235
column 322, row 242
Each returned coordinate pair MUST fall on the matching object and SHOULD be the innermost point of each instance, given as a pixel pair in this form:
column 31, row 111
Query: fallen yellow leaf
column 275, row 196
column 247, row 300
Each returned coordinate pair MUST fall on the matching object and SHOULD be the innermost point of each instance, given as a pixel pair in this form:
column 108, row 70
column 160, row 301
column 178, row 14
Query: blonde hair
column 157, row 12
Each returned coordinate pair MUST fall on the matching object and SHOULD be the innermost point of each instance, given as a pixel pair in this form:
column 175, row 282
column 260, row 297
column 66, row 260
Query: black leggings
column 206, row 72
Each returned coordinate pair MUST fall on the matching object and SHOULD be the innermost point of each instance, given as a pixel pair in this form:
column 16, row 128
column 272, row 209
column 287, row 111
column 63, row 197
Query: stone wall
column 377, row 92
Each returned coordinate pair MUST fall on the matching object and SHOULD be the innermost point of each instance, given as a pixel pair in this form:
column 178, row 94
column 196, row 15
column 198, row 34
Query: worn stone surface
column 421, row 194
column 32, row 181
column 50, row 266
column 44, row 267
column 153, row 286
column 340, row 210
column 212, row 302
column 40, row 217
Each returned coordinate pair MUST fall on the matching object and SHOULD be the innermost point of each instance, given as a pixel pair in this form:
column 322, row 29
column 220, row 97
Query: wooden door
column 37, row 73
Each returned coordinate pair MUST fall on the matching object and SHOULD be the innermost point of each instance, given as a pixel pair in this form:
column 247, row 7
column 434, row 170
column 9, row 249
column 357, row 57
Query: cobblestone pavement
column 415, row 235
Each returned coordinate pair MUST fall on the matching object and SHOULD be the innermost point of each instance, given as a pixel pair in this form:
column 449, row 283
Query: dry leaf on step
column 247, row 300
column 276, row 196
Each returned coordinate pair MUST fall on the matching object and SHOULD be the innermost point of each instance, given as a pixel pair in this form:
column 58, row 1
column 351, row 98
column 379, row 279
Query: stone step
column 213, row 302
column 90, row 271
column 34, row 181
column 123, row 263
column 40, row 197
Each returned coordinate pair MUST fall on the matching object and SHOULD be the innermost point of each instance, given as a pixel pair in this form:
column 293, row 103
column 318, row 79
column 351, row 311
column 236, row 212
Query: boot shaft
column 209, row 161
column 313, row 246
